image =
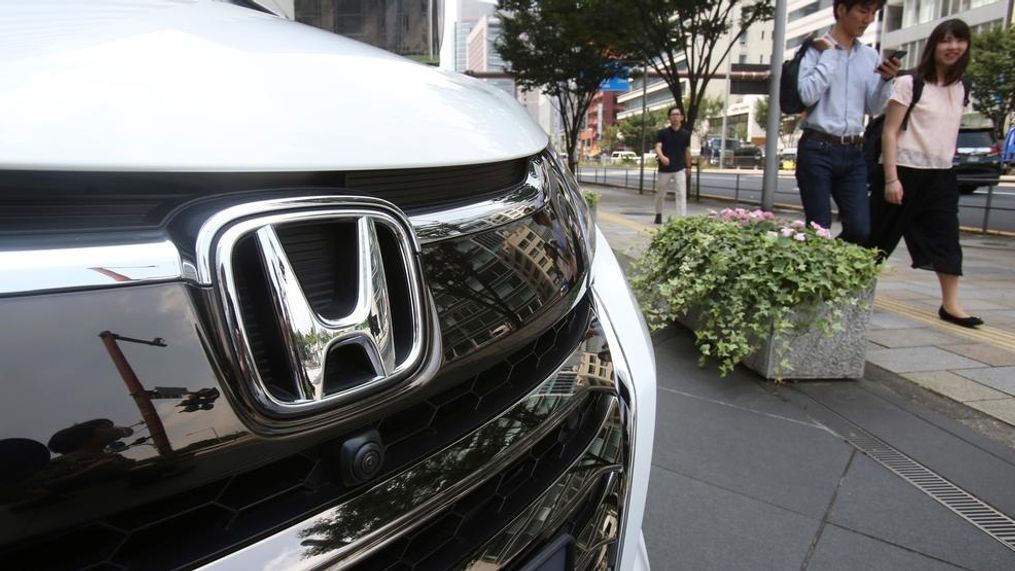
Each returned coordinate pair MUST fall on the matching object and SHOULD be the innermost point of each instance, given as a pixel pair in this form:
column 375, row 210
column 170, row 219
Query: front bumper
column 571, row 458
column 979, row 174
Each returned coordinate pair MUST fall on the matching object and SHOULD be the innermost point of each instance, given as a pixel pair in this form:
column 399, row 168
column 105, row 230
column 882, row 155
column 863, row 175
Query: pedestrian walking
column 673, row 149
column 840, row 80
column 920, row 196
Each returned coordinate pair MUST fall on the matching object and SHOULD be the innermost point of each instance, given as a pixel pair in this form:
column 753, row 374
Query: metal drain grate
column 969, row 507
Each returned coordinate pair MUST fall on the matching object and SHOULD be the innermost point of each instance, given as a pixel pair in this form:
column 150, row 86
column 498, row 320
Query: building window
column 349, row 17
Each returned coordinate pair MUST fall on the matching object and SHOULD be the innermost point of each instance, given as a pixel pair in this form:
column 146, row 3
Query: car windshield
column 969, row 139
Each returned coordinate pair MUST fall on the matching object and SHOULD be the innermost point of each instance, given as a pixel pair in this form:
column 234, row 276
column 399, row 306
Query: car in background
column 977, row 159
column 787, row 159
column 711, row 149
column 1008, row 152
column 623, row 156
column 748, row 156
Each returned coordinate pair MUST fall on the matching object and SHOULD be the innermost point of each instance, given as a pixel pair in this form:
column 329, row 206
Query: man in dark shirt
column 673, row 149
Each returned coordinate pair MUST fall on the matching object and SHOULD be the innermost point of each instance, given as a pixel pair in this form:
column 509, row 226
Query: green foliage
column 749, row 275
column 591, row 198
column 761, row 112
column 564, row 48
column 787, row 123
column 992, row 74
column 687, row 36
column 630, row 129
column 708, row 107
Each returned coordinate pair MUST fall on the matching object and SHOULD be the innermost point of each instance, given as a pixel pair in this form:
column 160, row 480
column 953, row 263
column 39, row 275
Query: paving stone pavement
column 907, row 341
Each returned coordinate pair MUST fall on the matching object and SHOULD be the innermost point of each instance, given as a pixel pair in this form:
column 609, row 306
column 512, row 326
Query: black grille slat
column 73, row 201
column 323, row 257
column 225, row 515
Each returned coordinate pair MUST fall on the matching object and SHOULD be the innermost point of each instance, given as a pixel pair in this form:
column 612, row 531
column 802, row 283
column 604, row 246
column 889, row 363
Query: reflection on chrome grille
column 448, row 539
column 203, row 523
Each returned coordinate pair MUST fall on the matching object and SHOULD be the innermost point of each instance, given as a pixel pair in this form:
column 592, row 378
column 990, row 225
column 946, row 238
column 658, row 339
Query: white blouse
column 930, row 139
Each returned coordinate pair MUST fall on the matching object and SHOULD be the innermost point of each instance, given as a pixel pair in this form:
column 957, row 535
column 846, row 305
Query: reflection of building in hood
column 531, row 252
column 594, row 368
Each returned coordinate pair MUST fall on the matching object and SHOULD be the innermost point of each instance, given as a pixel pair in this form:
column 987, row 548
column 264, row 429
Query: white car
column 623, row 156
column 235, row 336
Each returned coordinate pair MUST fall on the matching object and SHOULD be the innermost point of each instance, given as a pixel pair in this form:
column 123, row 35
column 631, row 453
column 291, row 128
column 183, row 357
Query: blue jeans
column 826, row 171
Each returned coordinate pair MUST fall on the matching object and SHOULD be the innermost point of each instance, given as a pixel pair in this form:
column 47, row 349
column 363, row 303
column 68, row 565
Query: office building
column 806, row 18
column 908, row 23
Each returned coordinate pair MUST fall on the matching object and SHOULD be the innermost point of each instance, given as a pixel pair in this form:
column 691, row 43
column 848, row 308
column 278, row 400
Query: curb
column 996, row 429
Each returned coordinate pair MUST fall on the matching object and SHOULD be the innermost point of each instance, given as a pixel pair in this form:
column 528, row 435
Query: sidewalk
column 908, row 343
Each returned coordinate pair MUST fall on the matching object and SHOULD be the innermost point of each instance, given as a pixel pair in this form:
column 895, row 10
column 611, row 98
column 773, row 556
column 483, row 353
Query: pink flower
column 799, row 237
column 817, row 226
column 787, row 231
column 824, row 233
column 798, row 224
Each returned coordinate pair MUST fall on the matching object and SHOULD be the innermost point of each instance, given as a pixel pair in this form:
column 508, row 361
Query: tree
column 564, row 48
column 708, row 107
column 689, row 37
column 630, row 128
column 787, row 123
column 992, row 74
column 761, row 112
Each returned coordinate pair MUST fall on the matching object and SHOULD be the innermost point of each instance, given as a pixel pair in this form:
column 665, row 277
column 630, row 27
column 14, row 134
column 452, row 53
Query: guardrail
column 630, row 177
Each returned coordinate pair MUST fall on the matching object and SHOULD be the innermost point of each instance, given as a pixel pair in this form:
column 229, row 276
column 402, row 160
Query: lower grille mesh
column 196, row 526
column 456, row 533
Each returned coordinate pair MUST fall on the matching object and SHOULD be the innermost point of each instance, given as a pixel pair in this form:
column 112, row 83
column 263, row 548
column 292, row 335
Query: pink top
column 929, row 141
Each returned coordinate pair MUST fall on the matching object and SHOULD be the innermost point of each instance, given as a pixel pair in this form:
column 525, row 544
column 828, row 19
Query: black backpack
column 872, row 134
column 789, row 92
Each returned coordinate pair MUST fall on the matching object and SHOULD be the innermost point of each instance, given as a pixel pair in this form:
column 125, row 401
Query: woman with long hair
column 920, row 200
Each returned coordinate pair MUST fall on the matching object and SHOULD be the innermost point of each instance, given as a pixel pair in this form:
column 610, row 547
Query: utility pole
column 726, row 102
column 644, row 107
column 770, row 181
column 141, row 399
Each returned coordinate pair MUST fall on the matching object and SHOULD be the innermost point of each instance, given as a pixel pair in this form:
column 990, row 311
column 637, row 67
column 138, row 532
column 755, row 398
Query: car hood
column 208, row 86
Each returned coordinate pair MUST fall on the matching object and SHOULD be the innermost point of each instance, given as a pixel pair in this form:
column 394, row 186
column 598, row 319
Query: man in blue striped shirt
column 840, row 81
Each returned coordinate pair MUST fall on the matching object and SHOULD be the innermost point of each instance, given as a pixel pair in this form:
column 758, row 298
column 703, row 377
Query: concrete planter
column 813, row 354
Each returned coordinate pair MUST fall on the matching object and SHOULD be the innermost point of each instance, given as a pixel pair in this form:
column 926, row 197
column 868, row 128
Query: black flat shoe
column 963, row 321
column 659, row 218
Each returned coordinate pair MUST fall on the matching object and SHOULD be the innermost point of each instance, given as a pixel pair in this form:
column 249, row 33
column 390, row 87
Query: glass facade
column 405, row 27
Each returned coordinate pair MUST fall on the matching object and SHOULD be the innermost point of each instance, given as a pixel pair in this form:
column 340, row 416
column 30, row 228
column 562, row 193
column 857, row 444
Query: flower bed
column 748, row 277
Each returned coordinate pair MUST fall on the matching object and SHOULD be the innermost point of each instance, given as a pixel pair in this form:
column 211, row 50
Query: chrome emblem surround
column 308, row 336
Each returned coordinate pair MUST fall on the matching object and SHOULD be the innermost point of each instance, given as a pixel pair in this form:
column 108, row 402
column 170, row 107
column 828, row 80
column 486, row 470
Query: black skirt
column 928, row 219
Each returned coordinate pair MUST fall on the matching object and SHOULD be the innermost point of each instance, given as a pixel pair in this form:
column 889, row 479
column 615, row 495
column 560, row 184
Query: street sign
column 615, row 83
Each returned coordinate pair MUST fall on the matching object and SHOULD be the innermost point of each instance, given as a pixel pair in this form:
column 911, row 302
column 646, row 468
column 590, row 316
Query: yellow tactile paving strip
column 983, row 334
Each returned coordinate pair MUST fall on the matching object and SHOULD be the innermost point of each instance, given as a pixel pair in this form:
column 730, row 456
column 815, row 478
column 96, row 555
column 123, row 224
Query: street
column 750, row 475
column 746, row 187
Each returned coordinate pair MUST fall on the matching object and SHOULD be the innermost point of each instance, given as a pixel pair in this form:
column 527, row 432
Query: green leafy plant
column 591, row 198
column 747, row 275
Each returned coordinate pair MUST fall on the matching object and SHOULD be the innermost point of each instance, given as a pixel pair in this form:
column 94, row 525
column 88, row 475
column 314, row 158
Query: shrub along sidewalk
column 907, row 341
